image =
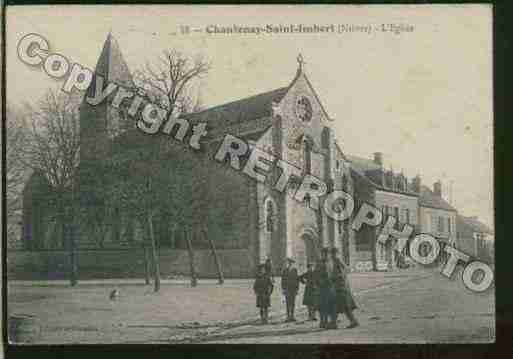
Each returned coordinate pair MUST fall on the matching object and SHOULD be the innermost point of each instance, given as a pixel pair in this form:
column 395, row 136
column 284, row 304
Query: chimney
column 437, row 188
column 416, row 183
column 378, row 158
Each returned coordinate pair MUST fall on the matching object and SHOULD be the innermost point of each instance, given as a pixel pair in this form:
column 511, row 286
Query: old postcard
column 249, row 174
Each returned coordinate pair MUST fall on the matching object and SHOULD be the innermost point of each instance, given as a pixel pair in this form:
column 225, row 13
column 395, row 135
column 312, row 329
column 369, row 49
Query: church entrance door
column 305, row 252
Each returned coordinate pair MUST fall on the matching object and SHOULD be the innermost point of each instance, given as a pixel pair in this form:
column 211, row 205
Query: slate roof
column 112, row 66
column 473, row 224
column 236, row 115
column 363, row 164
column 428, row 199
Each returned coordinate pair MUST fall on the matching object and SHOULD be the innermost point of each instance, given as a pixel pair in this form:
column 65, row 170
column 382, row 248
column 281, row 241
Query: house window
column 440, row 224
column 269, row 217
column 407, row 216
column 433, row 223
column 449, row 225
column 396, row 214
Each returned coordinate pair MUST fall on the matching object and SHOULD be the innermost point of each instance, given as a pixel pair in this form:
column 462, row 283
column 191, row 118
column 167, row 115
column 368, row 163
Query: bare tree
column 54, row 139
column 16, row 172
column 52, row 149
column 169, row 82
column 137, row 182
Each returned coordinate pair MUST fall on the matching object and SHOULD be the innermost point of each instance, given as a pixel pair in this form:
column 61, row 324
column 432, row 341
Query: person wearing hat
column 263, row 288
column 290, row 286
column 311, row 294
column 344, row 300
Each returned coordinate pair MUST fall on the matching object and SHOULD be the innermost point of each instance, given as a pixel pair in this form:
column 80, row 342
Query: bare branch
column 169, row 80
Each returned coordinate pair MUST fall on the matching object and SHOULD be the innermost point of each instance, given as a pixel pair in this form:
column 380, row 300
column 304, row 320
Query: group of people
column 327, row 290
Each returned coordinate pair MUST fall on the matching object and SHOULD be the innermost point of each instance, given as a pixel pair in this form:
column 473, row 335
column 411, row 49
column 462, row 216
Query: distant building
column 437, row 216
column 394, row 196
column 475, row 238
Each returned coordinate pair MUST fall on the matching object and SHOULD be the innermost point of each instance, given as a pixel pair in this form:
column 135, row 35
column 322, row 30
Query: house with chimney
column 395, row 195
column 436, row 216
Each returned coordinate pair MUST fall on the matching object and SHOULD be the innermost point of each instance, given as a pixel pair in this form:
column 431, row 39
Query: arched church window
column 269, row 216
column 307, row 156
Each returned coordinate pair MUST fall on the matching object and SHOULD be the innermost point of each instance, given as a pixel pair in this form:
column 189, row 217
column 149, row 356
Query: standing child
column 311, row 294
column 263, row 287
column 290, row 286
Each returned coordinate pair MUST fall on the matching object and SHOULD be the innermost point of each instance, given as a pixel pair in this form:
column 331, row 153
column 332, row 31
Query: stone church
column 247, row 220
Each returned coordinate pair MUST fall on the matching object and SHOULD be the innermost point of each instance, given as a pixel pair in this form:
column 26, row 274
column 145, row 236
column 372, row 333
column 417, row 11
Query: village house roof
column 429, row 199
column 471, row 224
column 364, row 166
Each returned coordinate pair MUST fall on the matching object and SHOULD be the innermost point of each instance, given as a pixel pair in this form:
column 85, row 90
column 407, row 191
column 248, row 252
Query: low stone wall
column 126, row 263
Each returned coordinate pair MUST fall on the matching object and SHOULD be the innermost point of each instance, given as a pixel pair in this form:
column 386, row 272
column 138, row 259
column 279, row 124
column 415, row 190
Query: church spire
column 96, row 121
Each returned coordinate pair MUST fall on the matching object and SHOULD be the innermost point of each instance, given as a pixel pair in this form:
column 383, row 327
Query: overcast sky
column 423, row 98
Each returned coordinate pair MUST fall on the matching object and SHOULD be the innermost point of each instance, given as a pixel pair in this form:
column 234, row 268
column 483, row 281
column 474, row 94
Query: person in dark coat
column 311, row 294
column 269, row 268
column 326, row 290
column 344, row 300
column 263, row 288
column 290, row 286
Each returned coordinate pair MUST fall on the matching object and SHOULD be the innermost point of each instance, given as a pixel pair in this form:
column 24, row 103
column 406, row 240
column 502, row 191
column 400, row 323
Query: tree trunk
column 187, row 236
column 73, row 256
column 216, row 258
column 173, row 236
column 156, row 266
column 67, row 221
column 146, row 264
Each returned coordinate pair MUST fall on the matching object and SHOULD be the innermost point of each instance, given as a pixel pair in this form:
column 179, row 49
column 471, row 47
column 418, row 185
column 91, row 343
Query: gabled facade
column 300, row 134
column 437, row 216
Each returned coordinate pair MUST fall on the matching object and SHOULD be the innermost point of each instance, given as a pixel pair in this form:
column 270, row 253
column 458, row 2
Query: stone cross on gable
column 300, row 61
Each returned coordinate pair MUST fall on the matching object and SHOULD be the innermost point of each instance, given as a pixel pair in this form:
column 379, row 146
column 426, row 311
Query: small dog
column 114, row 294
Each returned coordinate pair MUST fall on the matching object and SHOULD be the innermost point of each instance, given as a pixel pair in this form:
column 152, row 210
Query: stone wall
column 128, row 263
